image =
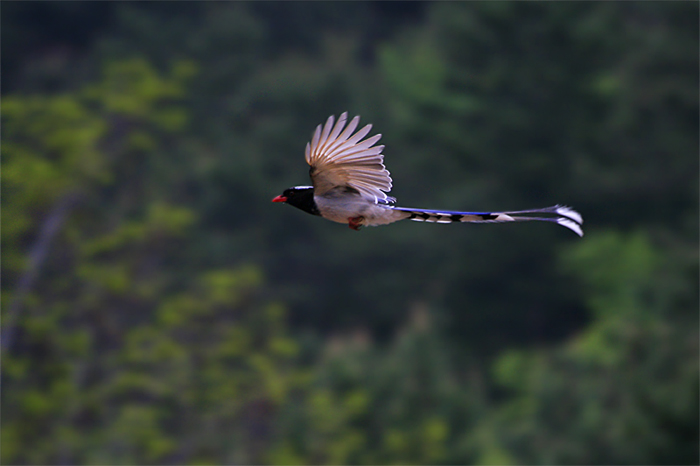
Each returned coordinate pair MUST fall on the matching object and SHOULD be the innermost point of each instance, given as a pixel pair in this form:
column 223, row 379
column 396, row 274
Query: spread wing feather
column 338, row 159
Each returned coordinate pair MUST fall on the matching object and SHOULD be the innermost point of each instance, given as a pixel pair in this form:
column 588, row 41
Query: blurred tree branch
column 35, row 259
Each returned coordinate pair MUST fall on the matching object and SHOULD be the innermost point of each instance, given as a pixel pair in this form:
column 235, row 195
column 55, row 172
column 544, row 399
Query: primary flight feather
column 350, row 183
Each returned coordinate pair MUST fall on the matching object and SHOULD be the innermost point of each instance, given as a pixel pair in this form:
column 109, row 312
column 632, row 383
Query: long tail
column 563, row 215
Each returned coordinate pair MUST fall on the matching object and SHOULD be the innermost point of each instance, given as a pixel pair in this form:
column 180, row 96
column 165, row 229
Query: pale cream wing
column 339, row 159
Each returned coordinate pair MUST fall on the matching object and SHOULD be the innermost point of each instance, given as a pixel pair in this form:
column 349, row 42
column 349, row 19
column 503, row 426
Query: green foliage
column 124, row 359
column 623, row 391
column 214, row 358
column 370, row 404
column 147, row 279
column 133, row 88
column 50, row 147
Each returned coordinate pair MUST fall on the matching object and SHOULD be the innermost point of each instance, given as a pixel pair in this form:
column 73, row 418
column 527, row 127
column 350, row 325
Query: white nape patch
column 571, row 225
column 503, row 218
column 570, row 213
column 302, row 187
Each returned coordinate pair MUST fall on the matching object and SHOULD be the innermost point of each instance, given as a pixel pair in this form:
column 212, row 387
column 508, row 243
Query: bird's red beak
column 280, row 199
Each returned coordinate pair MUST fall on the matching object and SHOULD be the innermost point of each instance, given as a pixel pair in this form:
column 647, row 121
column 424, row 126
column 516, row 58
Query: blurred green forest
column 158, row 309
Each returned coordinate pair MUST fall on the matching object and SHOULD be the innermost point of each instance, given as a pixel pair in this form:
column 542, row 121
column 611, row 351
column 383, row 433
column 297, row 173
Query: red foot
column 355, row 222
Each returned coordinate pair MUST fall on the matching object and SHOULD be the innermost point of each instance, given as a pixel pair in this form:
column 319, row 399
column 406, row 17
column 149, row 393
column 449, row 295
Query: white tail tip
column 570, row 213
column 571, row 225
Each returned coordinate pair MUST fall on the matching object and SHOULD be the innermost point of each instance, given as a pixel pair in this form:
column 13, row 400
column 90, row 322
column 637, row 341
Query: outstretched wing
column 338, row 159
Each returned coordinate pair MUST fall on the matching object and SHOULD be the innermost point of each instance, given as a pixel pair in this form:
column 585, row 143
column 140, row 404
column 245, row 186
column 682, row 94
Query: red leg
column 355, row 222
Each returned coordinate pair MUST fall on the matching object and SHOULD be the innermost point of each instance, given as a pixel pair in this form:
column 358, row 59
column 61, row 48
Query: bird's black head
column 301, row 197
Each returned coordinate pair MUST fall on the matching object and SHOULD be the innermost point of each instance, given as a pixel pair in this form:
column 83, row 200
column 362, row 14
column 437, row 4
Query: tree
column 112, row 354
column 406, row 402
column 623, row 391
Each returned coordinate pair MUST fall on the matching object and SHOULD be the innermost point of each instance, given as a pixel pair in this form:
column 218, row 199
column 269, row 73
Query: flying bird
column 350, row 183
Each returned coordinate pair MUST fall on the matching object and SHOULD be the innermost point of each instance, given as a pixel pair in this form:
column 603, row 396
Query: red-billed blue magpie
column 350, row 184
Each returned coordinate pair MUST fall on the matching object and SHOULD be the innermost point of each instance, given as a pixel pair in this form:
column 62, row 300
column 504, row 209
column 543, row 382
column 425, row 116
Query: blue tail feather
column 565, row 216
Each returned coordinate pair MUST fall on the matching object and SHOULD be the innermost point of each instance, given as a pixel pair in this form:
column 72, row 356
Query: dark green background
column 158, row 309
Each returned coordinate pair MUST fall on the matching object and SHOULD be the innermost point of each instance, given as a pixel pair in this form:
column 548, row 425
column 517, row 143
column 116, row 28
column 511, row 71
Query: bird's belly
column 342, row 210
